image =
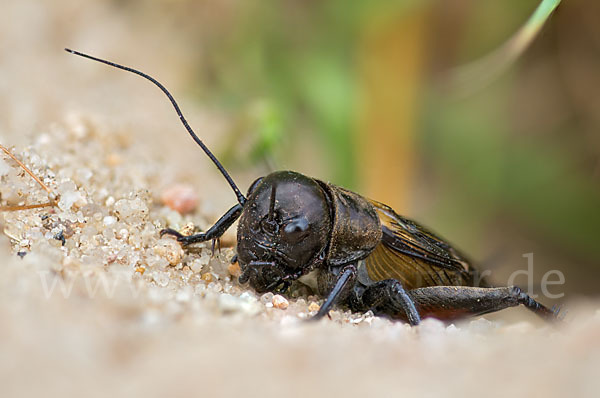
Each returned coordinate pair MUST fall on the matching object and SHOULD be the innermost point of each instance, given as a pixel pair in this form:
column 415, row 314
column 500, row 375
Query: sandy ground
column 116, row 309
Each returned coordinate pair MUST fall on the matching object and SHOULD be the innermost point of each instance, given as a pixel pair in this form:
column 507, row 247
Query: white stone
column 4, row 167
column 109, row 220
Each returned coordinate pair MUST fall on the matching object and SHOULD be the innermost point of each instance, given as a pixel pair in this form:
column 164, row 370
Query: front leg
column 390, row 298
column 344, row 278
column 214, row 232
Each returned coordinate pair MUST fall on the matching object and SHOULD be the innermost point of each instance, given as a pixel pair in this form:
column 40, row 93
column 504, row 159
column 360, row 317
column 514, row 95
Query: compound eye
column 296, row 228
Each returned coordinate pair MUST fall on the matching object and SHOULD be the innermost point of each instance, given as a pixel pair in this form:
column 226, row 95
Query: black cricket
column 356, row 252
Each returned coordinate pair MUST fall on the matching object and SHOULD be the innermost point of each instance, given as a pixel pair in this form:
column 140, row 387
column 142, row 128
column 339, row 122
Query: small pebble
column 180, row 197
column 112, row 160
column 267, row 298
column 313, row 307
column 133, row 210
column 280, row 302
column 196, row 265
column 188, row 229
column 123, row 233
column 170, row 250
column 161, row 278
column 4, row 167
column 71, row 199
column 109, row 220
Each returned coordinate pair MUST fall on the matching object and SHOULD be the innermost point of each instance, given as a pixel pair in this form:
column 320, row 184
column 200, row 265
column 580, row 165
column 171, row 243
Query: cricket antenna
column 272, row 204
column 241, row 199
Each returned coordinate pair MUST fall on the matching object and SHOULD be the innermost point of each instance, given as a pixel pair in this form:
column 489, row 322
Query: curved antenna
column 241, row 199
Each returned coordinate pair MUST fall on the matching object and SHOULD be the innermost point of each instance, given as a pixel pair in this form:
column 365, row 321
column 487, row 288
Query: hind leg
column 451, row 302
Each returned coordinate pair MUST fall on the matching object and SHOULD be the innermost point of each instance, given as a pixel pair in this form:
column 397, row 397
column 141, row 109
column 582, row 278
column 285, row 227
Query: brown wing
column 414, row 256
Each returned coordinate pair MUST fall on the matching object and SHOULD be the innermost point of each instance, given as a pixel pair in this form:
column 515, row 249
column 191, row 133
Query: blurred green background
column 366, row 94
